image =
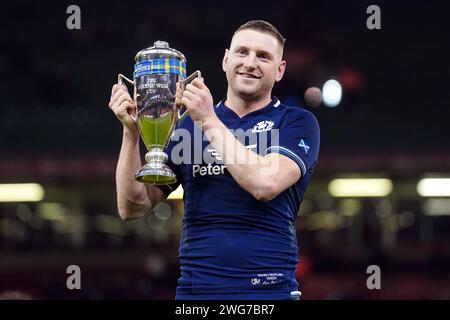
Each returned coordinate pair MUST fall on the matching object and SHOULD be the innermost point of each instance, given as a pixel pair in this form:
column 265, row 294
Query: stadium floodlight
column 177, row 194
column 436, row 207
column 360, row 187
column 434, row 187
column 332, row 93
column 21, row 192
column 52, row 211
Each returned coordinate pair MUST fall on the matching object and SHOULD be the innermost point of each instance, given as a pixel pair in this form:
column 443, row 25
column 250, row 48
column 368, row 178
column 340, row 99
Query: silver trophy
column 157, row 71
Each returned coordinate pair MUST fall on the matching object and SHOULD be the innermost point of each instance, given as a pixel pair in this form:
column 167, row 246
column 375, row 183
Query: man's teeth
column 248, row 75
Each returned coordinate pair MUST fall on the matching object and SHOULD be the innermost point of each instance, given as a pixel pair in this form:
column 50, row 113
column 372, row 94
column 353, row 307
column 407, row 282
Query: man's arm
column 134, row 199
column 263, row 177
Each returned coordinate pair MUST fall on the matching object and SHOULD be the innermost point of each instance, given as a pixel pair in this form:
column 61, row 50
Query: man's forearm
column 132, row 197
column 244, row 165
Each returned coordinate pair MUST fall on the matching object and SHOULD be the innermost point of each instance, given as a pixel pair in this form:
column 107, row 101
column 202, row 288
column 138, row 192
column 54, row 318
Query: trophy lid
column 159, row 49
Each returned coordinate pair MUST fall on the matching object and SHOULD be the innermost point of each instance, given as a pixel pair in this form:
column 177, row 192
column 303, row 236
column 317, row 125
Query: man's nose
column 250, row 61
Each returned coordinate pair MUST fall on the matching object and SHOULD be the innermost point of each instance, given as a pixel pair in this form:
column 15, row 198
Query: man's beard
column 249, row 95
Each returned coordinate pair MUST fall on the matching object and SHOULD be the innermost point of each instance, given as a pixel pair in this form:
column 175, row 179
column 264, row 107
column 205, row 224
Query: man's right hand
column 123, row 106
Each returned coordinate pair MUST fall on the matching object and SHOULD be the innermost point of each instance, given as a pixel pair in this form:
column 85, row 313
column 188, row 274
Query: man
column 238, row 239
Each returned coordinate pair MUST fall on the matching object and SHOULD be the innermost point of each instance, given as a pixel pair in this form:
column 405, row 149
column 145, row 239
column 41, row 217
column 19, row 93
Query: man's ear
column 225, row 60
column 280, row 71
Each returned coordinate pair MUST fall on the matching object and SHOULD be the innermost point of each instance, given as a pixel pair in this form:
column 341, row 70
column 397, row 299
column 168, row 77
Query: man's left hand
column 198, row 100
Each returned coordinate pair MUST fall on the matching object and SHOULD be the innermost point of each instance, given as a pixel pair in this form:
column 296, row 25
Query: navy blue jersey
column 231, row 242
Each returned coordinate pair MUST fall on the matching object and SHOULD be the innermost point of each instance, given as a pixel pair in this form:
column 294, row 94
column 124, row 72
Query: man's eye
column 241, row 52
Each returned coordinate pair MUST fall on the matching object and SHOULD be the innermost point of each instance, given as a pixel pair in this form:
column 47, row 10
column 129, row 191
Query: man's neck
column 242, row 107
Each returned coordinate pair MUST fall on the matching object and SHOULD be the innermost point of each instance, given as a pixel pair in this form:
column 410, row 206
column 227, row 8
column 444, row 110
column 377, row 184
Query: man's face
column 253, row 64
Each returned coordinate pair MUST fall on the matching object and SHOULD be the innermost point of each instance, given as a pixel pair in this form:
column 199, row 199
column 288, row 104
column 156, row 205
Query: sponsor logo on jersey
column 214, row 153
column 262, row 126
column 208, row 170
column 213, row 169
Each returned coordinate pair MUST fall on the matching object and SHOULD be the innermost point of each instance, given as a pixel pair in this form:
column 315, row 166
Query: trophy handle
column 120, row 79
column 196, row 74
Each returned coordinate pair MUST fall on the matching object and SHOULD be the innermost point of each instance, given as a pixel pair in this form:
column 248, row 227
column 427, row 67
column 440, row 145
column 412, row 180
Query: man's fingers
column 118, row 94
column 186, row 101
column 179, row 92
column 119, row 98
column 118, row 87
column 127, row 105
column 193, row 89
column 198, row 83
column 114, row 89
column 180, row 85
column 122, row 98
column 178, row 101
column 189, row 95
column 126, row 108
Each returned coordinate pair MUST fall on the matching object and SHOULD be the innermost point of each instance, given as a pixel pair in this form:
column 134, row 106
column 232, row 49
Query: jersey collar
column 227, row 112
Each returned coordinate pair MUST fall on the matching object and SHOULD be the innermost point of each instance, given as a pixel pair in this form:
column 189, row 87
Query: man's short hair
column 263, row 26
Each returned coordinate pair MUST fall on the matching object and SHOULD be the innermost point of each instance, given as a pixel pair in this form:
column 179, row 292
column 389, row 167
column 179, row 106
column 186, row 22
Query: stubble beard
column 247, row 94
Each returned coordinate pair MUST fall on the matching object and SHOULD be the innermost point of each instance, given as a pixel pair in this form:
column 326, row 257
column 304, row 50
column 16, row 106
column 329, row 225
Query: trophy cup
column 156, row 74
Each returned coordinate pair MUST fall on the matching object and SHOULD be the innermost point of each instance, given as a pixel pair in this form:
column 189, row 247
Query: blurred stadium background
column 392, row 123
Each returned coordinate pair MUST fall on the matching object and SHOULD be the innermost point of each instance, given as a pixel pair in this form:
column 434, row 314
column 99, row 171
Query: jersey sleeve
column 299, row 140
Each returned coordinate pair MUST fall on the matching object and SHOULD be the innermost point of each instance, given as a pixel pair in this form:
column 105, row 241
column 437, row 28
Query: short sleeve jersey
column 230, row 241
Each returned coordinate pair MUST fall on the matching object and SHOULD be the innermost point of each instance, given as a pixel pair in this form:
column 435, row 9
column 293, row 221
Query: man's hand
column 198, row 100
column 123, row 106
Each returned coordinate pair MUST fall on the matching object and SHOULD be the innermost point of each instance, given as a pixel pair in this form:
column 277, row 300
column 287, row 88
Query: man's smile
column 248, row 75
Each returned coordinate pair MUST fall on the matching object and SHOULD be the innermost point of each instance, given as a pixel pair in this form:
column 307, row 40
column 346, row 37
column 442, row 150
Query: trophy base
column 159, row 174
